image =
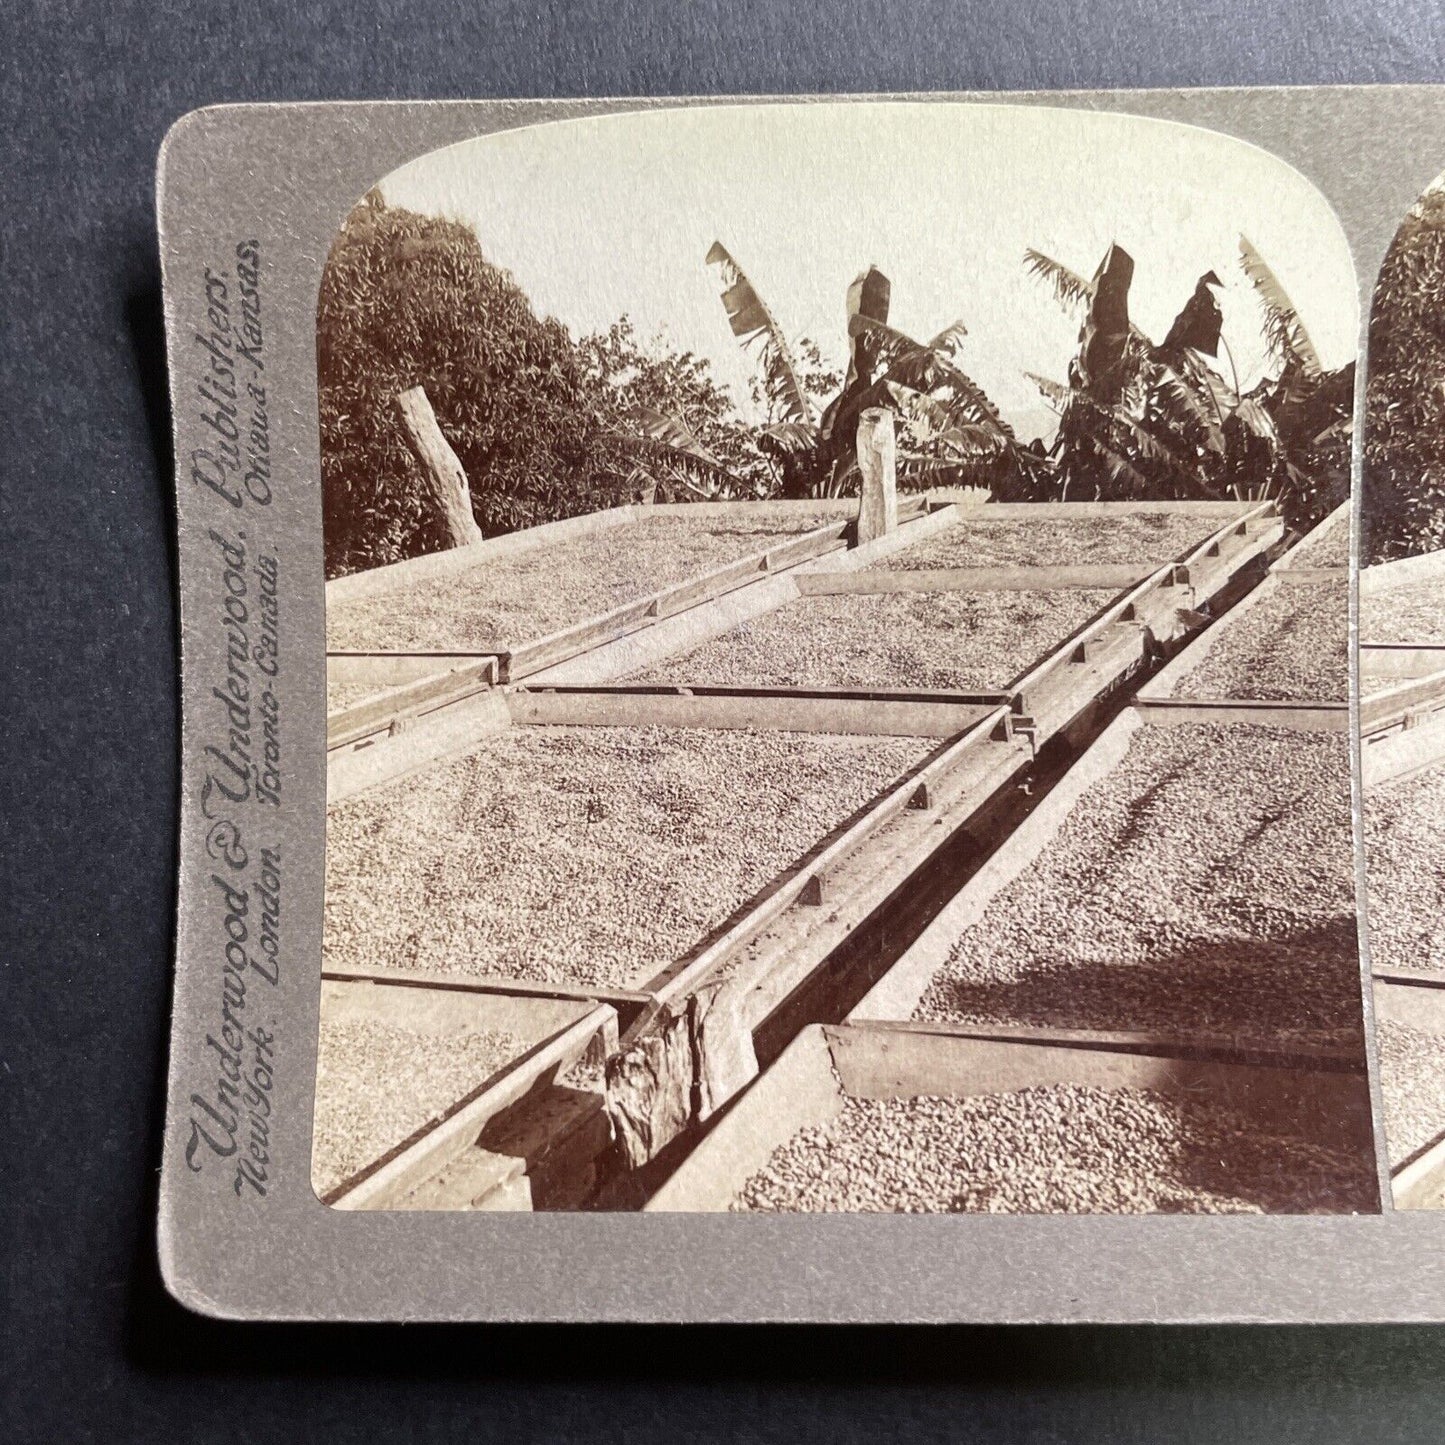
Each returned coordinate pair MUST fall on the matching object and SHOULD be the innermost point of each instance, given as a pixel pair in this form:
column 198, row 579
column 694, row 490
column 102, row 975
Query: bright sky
column 609, row 216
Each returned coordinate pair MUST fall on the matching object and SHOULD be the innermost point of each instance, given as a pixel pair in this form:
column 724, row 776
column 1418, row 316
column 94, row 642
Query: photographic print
column 1402, row 705
column 837, row 672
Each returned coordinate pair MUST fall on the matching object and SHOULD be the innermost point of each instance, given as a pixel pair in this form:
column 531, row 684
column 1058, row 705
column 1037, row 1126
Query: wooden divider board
column 972, row 579
column 1386, row 660
column 898, row 993
column 1403, row 703
column 1153, row 609
column 390, row 1180
column 763, row 709
column 1296, row 567
column 1417, row 1181
column 1401, row 752
column 825, row 1064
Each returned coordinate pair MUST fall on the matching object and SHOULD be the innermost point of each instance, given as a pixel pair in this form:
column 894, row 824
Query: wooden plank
column 1155, row 603
column 1311, row 576
column 672, row 636
column 1382, row 660
column 1410, row 977
column 1300, row 716
column 535, row 655
column 1425, row 570
column 1402, row 753
column 421, row 978
column 885, row 1061
column 444, row 733
column 799, row 1089
column 722, row 580
column 397, row 576
column 1420, row 1004
column 392, row 708
column 388, row 1180
column 799, row 944
column 444, row 1012
column 1016, row 511
column 1162, row 686
column 1419, row 1182
column 1198, row 1048
column 970, row 579
column 540, row 1154
column 683, row 975
column 1398, row 705
column 761, row 710
column 898, row 992
column 880, row 1062
column 1297, row 560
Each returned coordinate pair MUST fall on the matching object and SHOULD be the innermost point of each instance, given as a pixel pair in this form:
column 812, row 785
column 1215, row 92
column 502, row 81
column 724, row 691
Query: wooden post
column 877, row 448
column 440, row 468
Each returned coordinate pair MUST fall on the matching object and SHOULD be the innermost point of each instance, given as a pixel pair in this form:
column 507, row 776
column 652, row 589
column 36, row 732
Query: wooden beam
column 1394, row 755
column 1403, row 704
column 1384, row 659
column 386, row 1181
column 395, row 707
column 1419, row 1182
column 826, row 1064
column 1300, row 716
column 509, row 987
column 540, row 653
column 1222, row 1049
column 877, row 463
column 969, row 579
column 442, row 473
column 1311, row 576
column 746, row 711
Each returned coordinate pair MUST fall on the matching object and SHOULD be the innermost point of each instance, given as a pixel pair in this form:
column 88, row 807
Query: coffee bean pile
column 1148, row 538
column 947, row 641
column 1330, row 549
column 341, row 695
column 1056, row 1149
column 1205, row 885
column 1404, row 843
column 1409, row 613
column 377, row 1084
column 1412, row 1079
column 588, row 855
column 496, row 604
column 1290, row 646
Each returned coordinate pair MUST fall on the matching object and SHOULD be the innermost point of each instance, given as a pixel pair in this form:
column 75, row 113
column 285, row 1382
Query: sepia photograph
column 837, row 627
column 1402, row 702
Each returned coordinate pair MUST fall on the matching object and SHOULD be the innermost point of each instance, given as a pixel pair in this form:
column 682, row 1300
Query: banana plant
column 1143, row 420
column 949, row 430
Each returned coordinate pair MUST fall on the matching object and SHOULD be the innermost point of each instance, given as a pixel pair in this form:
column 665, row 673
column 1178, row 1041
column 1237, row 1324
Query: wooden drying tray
column 490, row 1133
column 420, row 681
column 1154, row 613
column 1155, row 701
column 828, row 1064
column 1402, row 729
column 1417, row 1181
column 1295, row 568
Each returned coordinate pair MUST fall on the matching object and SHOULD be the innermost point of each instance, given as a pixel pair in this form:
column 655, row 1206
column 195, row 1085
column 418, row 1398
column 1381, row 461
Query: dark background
column 93, row 1349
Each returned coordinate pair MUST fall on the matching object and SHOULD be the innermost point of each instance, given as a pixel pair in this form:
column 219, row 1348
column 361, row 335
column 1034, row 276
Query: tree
column 1404, row 503
column 1139, row 420
column 410, row 300
column 949, row 430
column 668, row 421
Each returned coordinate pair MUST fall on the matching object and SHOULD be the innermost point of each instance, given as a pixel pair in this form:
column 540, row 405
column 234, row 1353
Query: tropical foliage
column 546, row 426
column 1145, row 420
column 1404, row 513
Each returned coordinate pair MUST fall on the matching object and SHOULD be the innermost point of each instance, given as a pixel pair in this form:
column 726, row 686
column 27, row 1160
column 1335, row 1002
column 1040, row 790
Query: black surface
column 92, row 1347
